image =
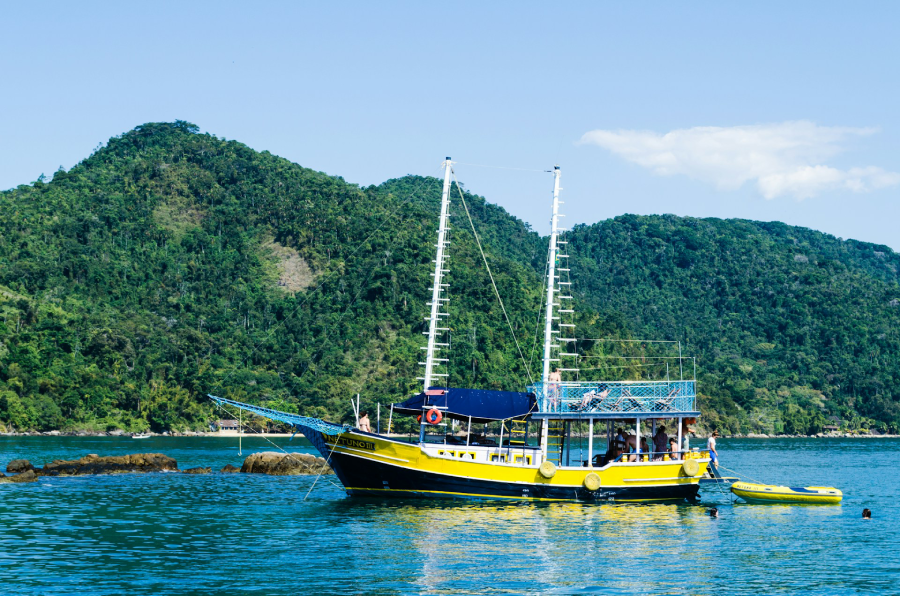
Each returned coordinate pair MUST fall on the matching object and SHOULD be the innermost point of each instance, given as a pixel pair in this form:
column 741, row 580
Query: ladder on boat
column 518, row 433
column 556, row 438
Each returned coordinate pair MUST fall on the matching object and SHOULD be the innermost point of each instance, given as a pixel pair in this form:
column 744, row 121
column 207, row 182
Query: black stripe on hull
column 365, row 477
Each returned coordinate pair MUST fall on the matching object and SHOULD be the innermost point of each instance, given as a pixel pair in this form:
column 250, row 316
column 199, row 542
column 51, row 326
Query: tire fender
column 547, row 469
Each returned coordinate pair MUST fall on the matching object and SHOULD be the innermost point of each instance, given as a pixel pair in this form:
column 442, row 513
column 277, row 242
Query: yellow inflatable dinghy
column 764, row 493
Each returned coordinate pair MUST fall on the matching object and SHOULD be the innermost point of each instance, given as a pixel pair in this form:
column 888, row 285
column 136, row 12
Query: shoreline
column 235, row 434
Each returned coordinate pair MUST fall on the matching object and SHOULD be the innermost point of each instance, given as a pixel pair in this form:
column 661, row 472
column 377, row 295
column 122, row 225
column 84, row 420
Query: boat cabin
column 556, row 421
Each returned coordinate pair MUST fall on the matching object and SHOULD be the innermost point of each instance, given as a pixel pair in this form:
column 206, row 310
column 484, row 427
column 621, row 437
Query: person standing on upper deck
column 554, row 379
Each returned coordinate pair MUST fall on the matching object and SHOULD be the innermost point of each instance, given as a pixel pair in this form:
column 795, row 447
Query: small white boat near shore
column 141, row 436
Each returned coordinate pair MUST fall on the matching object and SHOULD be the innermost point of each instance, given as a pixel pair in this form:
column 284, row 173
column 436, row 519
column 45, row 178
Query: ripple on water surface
column 177, row 534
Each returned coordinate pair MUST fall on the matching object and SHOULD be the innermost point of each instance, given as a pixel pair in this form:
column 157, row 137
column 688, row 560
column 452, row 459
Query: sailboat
column 533, row 457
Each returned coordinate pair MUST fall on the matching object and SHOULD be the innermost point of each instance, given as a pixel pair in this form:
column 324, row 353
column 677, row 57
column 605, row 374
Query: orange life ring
column 433, row 416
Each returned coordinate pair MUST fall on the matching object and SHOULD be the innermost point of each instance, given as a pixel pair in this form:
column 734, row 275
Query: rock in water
column 93, row 464
column 284, row 464
column 229, row 469
column 26, row 476
column 17, row 466
column 197, row 471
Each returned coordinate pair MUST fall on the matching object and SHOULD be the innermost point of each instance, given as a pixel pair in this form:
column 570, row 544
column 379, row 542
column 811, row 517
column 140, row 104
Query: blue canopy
column 482, row 405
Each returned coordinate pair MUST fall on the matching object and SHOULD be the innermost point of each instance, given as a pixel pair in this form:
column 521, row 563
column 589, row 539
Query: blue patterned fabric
column 301, row 422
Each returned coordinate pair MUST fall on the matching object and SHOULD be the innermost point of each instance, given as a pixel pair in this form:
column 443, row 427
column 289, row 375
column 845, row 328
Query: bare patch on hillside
column 7, row 293
column 294, row 274
column 177, row 215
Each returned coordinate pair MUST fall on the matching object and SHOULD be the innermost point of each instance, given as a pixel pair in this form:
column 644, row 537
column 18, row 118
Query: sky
column 764, row 111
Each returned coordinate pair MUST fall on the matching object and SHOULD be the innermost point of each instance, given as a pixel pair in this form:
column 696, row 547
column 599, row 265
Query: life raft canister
column 592, row 482
column 433, row 416
column 547, row 469
column 690, row 467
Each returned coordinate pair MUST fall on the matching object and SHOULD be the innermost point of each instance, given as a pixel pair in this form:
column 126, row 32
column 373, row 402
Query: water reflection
column 175, row 534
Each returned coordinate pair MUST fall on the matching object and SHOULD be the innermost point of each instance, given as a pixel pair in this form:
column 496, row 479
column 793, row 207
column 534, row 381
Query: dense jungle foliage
column 171, row 264
column 795, row 330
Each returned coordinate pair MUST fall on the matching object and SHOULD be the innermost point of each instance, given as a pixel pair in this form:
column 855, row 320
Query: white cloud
column 783, row 159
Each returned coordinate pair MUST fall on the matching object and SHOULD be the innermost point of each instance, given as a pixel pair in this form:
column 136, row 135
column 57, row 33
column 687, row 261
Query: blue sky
column 767, row 111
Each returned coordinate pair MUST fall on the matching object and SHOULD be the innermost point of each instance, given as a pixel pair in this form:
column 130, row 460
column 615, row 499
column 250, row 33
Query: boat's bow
column 313, row 429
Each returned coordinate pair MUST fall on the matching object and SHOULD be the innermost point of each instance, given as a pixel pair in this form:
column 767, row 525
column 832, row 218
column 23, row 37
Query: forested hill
column 795, row 329
column 171, row 264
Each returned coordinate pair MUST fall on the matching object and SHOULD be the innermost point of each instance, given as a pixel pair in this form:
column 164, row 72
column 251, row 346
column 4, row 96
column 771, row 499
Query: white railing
column 616, row 397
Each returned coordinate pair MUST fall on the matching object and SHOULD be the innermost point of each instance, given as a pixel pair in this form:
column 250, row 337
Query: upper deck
column 615, row 399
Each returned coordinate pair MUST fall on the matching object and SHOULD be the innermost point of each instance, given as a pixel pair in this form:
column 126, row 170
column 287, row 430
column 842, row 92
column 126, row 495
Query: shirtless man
column 673, row 449
column 554, row 379
column 631, row 444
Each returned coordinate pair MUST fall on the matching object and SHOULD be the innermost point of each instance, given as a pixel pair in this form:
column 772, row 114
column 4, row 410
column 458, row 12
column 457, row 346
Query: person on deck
column 660, row 443
column 630, row 444
column 364, row 424
column 553, row 380
column 673, row 449
column 631, row 447
column 713, row 454
column 685, row 437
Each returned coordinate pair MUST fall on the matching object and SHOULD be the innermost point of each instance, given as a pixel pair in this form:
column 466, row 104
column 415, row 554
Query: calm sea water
column 243, row 534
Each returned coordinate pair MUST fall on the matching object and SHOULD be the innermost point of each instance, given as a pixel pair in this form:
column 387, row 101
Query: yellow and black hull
column 372, row 465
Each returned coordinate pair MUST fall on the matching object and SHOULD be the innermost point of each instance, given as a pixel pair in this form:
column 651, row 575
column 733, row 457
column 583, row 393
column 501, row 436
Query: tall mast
column 551, row 275
column 436, row 292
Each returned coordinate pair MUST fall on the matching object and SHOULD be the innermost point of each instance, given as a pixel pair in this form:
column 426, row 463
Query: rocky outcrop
column 94, row 464
column 229, row 469
column 284, row 464
column 197, row 470
column 26, row 476
column 17, row 466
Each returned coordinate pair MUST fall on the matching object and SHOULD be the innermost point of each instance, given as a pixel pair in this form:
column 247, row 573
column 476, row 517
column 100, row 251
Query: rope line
column 636, row 357
column 719, row 482
column 478, row 165
column 643, row 341
column 537, row 321
column 622, row 366
column 736, row 474
column 491, row 275
column 319, row 475
column 242, row 425
column 280, row 448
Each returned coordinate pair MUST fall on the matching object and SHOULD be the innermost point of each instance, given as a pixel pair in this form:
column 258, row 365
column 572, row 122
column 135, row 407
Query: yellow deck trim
column 350, row 451
column 410, row 456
